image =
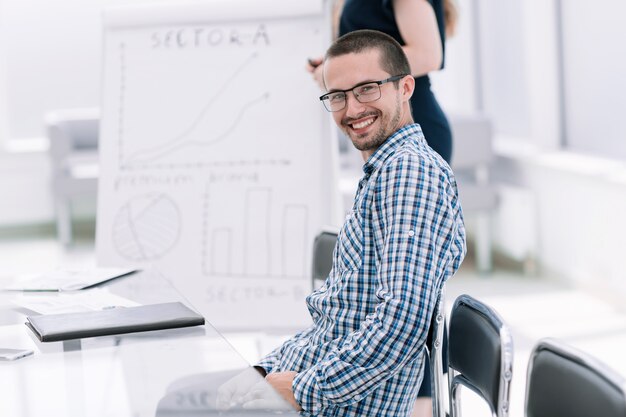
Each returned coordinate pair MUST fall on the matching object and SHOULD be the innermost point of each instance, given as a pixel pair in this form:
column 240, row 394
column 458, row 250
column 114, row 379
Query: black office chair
column 323, row 248
column 565, row 382
column 480, row 355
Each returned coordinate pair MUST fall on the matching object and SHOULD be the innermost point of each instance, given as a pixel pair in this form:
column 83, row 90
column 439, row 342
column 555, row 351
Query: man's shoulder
column 414, row 154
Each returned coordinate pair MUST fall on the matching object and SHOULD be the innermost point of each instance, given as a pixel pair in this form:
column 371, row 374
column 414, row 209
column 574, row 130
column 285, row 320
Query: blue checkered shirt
column 404, row 237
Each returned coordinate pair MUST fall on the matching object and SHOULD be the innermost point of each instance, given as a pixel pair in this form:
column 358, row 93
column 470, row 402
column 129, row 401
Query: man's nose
column 353, row 106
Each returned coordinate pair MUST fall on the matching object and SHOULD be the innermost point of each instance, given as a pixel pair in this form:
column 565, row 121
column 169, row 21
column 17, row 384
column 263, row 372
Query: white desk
column 160, row 373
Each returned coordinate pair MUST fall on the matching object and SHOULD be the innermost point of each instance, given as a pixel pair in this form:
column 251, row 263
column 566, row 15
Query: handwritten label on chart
column 198, row 37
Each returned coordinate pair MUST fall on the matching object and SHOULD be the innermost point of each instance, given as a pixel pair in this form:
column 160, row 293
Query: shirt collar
column 389, row 147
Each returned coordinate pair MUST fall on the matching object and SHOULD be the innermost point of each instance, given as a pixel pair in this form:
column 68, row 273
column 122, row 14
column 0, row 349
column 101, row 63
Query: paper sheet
column 66, row 279
column 87, row 300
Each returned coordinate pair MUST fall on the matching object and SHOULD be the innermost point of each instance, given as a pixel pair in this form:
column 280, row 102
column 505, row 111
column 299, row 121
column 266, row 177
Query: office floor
column 533, row 306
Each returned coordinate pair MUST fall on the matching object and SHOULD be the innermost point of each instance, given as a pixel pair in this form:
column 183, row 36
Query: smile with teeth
column 363, row 123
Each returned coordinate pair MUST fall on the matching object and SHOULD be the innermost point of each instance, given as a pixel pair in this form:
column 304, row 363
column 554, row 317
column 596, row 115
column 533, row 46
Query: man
column 404, row 237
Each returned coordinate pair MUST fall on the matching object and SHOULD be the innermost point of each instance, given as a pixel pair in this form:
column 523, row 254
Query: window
column 594, row 76
column 50, row 55
column 51, row 60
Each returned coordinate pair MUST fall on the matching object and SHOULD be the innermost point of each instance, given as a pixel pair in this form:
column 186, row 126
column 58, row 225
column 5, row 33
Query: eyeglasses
column 364, row 93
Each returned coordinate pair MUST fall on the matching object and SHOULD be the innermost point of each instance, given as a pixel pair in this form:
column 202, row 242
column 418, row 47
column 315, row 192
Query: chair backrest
column 565, row 382
column 323, row 248
column 480, row 355
column 73, row 135
column 472, row 159
column 73, row 130
column 473, row 137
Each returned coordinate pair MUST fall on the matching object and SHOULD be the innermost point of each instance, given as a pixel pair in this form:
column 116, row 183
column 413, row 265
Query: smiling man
column 404, row 237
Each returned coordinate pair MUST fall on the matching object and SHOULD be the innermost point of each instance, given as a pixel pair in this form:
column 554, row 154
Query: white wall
column 51, row 54
column 52, row 60
column 565, row 209
column 455, row 85
column 25, row 189
column 595, row 69
column 579, row 205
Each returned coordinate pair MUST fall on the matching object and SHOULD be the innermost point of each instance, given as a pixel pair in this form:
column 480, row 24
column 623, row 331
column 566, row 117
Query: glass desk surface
column 162, row 373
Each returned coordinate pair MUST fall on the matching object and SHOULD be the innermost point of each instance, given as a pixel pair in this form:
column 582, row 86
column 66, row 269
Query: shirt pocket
column 350, row 243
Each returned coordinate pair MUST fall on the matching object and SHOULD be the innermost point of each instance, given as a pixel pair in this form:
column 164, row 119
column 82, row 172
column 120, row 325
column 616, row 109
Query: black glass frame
column 325, row 97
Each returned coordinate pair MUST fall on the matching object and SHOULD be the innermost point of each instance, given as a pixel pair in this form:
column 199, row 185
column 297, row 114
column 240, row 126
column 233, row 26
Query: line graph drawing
column 207, row 128
column 146, row 227
column 168, row 148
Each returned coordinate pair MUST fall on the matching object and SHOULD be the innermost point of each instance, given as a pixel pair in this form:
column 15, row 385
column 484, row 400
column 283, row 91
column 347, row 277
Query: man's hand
column 231, row 393
column 282, row 382
column 275, row 393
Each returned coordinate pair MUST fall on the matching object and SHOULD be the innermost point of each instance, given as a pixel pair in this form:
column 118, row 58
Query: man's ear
column 407, row 86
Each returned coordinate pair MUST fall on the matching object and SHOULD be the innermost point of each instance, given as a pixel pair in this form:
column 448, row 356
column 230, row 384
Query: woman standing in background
column 421, row 27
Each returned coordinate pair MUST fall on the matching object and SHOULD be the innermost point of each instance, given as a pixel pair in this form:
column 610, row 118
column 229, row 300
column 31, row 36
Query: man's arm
column 418, row 223
column 236, row 390
column 269, row 361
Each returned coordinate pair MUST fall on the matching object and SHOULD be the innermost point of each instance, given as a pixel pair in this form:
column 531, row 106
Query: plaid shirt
column 404, row 237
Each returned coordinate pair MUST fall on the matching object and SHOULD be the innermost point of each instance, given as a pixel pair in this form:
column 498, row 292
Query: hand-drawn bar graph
column 294, row 240
column 262, row 238
column 256, row 232
column 221, row 244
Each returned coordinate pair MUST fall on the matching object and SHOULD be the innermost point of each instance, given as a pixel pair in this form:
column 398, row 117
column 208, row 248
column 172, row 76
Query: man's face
column 368, row 125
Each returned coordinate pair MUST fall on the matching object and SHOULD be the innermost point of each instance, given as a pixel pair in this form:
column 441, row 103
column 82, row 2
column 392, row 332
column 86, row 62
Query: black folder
column 66, row 326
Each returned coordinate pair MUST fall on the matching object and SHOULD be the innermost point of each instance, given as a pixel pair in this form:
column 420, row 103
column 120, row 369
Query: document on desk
column 70, row 302
column 57, row 327
column 67, row 279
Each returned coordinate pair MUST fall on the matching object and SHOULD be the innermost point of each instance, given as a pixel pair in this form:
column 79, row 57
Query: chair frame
column 455, row 379
column 67, row 154
column 575, row 355
column 437, row 377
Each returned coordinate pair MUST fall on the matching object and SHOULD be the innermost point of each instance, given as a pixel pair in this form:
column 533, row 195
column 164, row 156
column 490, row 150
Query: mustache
column 349, row 120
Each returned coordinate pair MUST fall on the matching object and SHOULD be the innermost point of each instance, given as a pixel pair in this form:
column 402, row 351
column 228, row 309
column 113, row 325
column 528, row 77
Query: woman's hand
column 314, row 66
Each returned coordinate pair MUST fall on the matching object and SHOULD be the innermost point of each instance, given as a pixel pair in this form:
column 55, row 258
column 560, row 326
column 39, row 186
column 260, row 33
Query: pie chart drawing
column 146, row 227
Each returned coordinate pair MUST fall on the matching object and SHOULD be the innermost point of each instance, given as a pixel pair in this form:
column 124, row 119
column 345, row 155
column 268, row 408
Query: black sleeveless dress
column 379, row 15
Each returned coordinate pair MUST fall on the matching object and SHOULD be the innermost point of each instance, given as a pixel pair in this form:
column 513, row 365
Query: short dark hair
column 392, row 57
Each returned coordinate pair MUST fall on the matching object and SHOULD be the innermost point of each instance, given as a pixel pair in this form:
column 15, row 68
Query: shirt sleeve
column 271, row 361
column 415, row 224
